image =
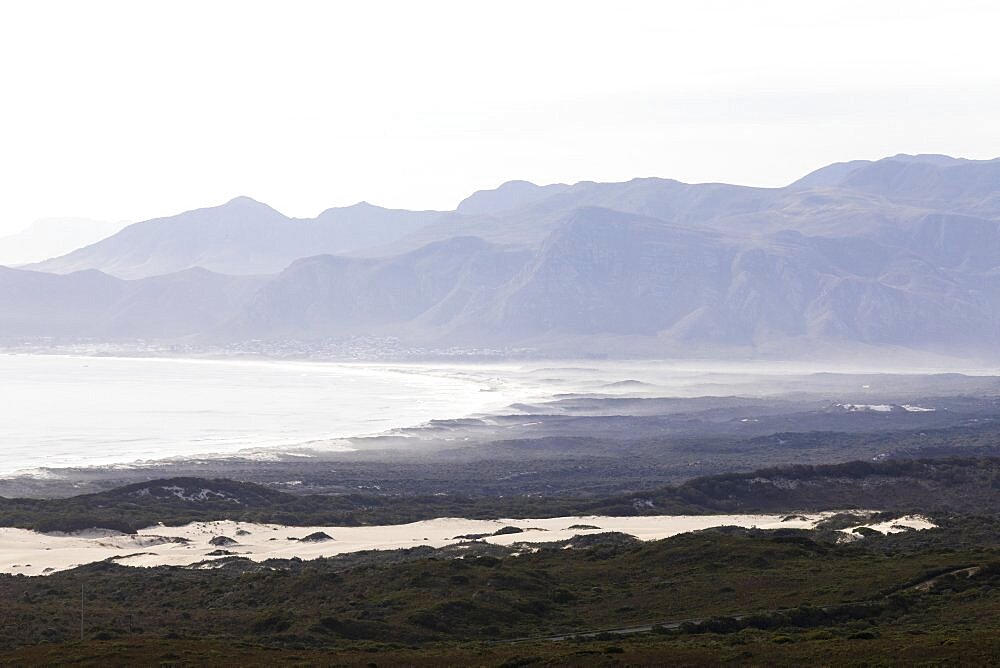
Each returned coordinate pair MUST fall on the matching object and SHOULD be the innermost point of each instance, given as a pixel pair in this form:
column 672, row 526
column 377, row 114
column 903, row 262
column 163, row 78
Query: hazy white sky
column 130, row 110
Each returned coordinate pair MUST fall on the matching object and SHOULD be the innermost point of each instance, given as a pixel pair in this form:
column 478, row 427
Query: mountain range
column 898, row 252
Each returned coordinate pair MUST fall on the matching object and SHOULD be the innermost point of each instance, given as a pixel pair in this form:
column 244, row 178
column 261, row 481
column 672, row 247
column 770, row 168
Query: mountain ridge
column 240, row 237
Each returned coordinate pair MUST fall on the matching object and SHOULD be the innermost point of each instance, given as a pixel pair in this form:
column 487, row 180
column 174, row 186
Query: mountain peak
column 935, row 159
column 518, row 183
column 831, row 175
column 509, row 195
column 241, row 207
column 244, row 201
column 840, row 173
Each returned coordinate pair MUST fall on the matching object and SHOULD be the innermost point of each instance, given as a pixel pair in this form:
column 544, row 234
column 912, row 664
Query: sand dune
column 33, row 553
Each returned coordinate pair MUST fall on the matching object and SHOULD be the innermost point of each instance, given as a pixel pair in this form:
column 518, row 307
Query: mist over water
column 75, row 411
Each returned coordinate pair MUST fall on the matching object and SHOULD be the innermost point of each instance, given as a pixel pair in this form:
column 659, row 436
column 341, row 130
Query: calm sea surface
column 75, row 411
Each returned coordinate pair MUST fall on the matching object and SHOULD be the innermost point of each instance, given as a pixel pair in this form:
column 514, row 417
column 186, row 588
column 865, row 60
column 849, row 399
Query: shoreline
column 444, row 391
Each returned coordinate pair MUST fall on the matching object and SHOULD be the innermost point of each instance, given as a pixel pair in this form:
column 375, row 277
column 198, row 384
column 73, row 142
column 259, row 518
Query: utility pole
column 81, row 612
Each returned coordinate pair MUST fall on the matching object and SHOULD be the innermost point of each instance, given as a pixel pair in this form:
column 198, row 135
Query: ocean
column 60, row 411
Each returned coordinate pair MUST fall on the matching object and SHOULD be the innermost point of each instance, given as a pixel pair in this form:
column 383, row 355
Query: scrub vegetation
column 707, row 597
column 723, row 595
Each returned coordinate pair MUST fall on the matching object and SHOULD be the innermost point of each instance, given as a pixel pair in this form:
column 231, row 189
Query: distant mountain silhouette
column 91, row 304
column 510, row 195
column 900, row 252
column 242, row 237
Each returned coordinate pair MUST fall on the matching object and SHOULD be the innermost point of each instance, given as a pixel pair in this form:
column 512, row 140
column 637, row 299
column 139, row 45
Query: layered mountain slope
column 241, row 237
column 91, row 304
column 35, row 304
column 605, row 272
column 443, row 286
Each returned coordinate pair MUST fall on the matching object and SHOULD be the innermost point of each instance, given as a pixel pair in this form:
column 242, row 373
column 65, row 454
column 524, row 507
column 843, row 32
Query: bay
column 58, row 411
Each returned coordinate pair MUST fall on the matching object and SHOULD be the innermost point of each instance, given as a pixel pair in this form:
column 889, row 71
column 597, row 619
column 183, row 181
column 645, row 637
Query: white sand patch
column 907, row 523
column 884, row 408
column 878, row 408
column 33, row 553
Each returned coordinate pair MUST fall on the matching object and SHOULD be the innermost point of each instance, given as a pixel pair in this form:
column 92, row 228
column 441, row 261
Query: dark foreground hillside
column 723, row 596
column 782, row 597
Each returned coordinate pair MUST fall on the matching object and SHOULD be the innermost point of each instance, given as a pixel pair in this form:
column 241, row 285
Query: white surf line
column 32, row 553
